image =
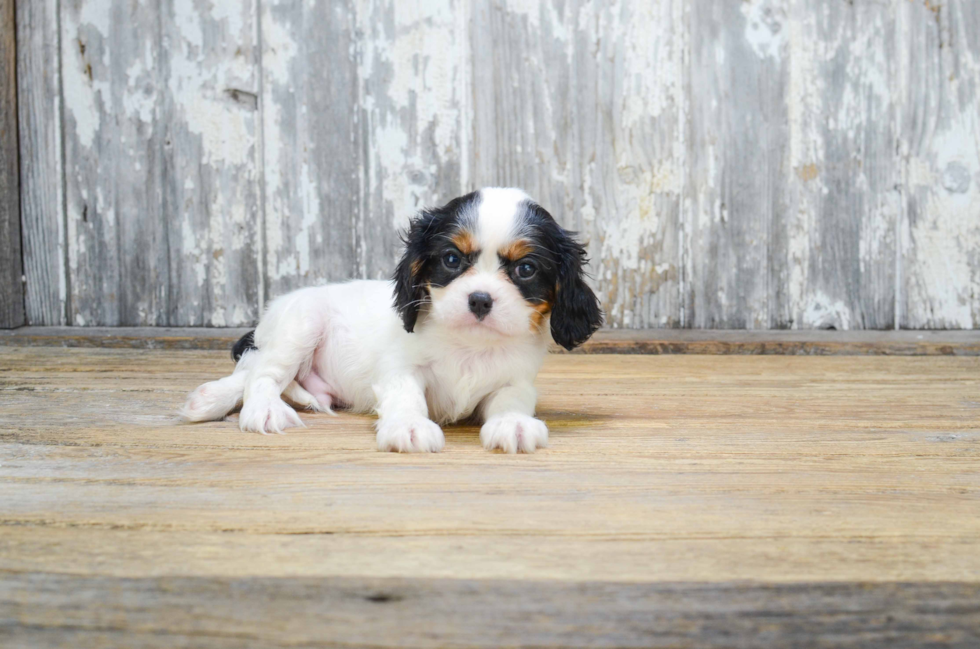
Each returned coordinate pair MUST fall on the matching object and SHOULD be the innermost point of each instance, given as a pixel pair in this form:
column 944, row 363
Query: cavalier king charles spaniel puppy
column 485, row 284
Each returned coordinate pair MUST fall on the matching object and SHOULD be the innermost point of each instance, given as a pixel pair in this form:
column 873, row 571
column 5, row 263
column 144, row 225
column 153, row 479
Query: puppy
column 485, row 283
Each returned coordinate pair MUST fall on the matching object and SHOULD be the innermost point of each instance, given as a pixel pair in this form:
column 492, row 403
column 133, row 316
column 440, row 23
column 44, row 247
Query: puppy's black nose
column 480, row 304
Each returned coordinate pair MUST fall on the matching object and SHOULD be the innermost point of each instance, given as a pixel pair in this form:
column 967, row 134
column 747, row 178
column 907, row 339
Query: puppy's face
column 495, row 263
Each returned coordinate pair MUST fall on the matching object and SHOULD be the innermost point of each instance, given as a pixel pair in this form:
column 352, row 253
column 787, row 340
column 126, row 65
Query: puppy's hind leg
column 287, row 337
column 299, row 397
column 215, row 399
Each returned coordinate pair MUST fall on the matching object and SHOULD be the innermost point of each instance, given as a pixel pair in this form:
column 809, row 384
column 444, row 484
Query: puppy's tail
column 215, row 399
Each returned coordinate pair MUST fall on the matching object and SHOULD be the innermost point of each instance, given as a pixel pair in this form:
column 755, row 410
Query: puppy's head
column 496, row 263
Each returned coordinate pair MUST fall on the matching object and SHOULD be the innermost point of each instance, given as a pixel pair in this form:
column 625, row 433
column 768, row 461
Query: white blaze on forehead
column 497, row 222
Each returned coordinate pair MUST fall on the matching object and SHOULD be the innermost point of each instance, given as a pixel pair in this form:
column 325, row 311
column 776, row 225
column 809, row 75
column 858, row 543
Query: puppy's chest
column 457, row 382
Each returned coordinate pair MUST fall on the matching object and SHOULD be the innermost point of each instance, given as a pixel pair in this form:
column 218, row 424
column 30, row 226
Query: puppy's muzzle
column 480, row 304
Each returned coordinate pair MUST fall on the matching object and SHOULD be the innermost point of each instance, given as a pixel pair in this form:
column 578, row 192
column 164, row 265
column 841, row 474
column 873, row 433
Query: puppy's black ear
column 410, row 289
column 575, row 314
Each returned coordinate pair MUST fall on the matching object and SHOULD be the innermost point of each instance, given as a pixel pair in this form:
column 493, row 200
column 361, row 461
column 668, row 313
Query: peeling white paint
column 824, row 312
column 141, row 98
column 83, row 82
column 309, row 191
column 946, row 234
column 421, row 85
column 279, row 48
column 198, row 86
column 764, row 31
column 806, row 93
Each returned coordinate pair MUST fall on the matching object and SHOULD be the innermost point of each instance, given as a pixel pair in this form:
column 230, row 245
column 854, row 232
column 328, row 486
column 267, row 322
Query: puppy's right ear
column 576, row 314
column 410, row 289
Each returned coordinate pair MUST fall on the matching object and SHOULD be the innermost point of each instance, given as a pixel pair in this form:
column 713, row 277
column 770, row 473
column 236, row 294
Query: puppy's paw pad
column 410, row 435
column 514, row 433
column 266, row 416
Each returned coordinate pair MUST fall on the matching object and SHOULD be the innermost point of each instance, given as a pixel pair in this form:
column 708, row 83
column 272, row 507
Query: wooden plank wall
column 41, row 170
column 11, row 270
column 757, row 164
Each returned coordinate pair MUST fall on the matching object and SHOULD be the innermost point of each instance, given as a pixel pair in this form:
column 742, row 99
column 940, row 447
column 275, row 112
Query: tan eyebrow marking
column 516, row 250
column 464, row 242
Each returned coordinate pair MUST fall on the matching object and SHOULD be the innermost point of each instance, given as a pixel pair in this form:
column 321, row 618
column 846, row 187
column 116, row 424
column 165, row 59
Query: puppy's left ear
column 575, row 315
column 410, row 290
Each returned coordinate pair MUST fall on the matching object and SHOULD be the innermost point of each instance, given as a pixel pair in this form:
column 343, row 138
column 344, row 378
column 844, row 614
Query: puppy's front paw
column 513, row 433
column 263, row 415
column 409, row 435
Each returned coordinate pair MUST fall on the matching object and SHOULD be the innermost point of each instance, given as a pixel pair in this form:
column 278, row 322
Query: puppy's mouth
column 482, row 324
column 479, row 322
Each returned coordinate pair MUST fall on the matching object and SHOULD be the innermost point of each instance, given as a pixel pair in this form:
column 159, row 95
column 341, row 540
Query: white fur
column 344, row 344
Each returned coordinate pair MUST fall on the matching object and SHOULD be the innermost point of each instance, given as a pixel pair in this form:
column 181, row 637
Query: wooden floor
column 698, row 501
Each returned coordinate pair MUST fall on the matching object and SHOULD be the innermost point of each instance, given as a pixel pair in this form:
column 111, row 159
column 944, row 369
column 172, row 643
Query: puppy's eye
column 526, row 270
column 451, row 260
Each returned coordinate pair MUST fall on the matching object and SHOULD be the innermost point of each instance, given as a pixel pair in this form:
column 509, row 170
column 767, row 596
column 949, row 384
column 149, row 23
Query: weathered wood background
column 757, row 164
column 11, row 271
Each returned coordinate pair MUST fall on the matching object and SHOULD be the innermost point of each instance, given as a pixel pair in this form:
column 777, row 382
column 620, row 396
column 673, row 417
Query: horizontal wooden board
column 46, row 609
column 651, row 341
column 125, row 337
column 804, row 342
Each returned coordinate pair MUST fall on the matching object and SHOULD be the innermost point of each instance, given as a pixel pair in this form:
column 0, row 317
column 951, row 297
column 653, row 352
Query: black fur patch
column 429, row 237
column 561, row 260
column 244, row 344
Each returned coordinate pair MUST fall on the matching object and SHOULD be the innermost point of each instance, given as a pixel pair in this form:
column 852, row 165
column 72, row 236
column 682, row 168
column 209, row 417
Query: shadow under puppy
column 485, row 283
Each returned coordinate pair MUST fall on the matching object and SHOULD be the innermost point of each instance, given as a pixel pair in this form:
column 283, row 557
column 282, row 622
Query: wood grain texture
column 584, row 106
column 86, row 611
column 738, row 79
column 355, row 147
column 42, row 178
column 821, row 500
column 941, row 145
column 414, row 93
column 161, row 159
column 11, row 269
column 833, row 241
column 211, row 174
column 312, row 155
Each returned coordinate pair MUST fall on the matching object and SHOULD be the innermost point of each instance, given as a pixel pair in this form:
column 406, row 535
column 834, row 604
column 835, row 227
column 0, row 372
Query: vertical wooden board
column 412, row 62
column 583, row 105
column 97, row 160
column 941, row 143
column 738, row 156
column 211, row 189
column 11, row 286
column 311, row 150
column 160, row 162
column 41, row 170
column 833, row 244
